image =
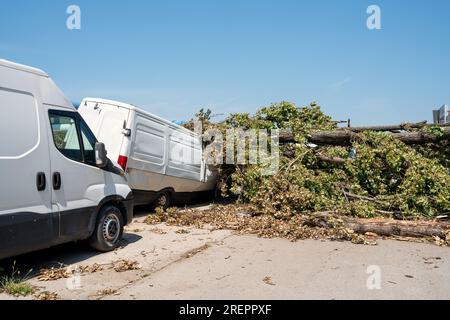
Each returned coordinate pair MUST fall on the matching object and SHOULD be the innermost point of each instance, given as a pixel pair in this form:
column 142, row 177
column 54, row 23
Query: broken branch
column 333, row 160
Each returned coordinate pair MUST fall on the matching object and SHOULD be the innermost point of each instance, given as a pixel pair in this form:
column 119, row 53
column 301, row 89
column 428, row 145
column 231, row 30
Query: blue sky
column 174, row 57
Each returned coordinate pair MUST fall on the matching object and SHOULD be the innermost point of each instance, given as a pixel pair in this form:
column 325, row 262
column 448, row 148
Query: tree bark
column 345, row 137
column 334, row 160
column 383, row 227
column 398, row 127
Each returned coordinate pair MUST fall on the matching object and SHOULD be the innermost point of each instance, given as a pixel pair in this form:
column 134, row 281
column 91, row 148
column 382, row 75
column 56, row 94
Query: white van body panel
column 161, row 155
column 17, row 163
column 32, row 215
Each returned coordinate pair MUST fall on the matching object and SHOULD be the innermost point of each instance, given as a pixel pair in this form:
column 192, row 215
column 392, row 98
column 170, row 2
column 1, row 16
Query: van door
column 78, row 185
column 108, row 123
column 26, row 222
column 185, row 155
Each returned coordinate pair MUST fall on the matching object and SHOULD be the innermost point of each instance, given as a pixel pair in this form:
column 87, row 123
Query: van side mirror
column 100, row 155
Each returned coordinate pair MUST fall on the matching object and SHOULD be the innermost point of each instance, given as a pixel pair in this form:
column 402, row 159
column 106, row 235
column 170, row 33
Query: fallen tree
column 343, row 137
column 402, row 175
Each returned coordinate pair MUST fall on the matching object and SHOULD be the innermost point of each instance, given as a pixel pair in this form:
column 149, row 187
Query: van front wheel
column 108, row 231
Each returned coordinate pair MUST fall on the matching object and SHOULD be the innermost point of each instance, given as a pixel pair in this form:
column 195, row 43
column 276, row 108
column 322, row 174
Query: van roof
column 134, row 108
column 112, row 102
column 21, row 67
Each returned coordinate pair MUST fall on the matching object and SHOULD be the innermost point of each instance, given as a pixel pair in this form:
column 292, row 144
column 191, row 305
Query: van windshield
column 88, row 143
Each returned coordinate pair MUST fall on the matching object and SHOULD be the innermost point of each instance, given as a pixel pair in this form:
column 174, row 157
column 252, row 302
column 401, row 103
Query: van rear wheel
column 109, row 229
column 163, row 201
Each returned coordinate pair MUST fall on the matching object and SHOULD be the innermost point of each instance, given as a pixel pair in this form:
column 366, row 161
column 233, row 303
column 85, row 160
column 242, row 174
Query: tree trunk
column 345, row 137
column 400, row 228
column 398, row 127
column 383, row 227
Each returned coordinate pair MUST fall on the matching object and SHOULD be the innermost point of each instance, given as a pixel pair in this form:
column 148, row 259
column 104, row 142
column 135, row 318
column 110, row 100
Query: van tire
column 163, row 201
column 109, row 229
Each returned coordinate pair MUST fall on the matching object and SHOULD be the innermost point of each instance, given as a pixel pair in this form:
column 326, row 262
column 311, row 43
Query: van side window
column 88, row 143
column 65, row 136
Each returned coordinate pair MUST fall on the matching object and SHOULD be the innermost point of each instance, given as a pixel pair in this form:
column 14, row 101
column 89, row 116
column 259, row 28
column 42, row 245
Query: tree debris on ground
column 240, row 219
column 319, row 225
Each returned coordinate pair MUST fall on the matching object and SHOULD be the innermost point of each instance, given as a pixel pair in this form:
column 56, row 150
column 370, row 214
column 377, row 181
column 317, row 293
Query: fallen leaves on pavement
column 182, row 231
column 107, row 292
column 268, row 281
column 53, row 274
column 91, row 269
column 125, row 265
column 158, row 231
column 46, row 296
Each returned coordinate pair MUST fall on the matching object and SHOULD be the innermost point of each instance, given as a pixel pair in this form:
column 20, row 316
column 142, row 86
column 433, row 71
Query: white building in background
column 442, row 115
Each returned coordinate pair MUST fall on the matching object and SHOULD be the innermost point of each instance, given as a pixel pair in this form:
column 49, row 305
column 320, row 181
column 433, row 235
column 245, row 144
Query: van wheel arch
column 169, row 192
column 116, row 201
column 108, row 230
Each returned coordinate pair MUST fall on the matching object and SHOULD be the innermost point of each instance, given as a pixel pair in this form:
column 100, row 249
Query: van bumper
column 129, row 207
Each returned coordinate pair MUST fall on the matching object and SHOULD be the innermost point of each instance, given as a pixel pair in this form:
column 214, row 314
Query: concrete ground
column 189, row 263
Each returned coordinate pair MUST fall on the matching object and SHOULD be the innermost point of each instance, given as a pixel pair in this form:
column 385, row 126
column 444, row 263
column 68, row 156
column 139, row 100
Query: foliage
column 435, row 130
column 204, row 116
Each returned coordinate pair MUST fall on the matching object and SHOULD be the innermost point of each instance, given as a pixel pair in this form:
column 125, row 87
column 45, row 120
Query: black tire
column 163, row 201
column 217, row 192
column 109, row 229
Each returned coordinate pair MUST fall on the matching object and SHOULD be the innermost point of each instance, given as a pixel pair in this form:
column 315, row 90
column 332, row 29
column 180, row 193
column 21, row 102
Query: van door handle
column 56, row 181
column 40, row 181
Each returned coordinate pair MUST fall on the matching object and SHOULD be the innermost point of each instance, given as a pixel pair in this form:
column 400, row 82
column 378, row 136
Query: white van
column 57, row 184
column 163, row 160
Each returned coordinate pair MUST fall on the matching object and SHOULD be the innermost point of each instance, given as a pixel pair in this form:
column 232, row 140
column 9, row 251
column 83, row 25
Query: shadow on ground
column 58, row 256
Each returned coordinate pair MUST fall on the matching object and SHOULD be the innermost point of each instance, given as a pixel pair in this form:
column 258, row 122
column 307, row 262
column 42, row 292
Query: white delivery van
column 57, row 183
column 163, row 160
